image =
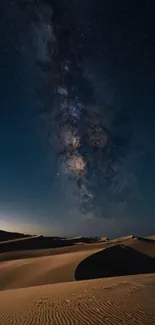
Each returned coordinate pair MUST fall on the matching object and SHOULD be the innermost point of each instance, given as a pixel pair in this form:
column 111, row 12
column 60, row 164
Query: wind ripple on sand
column 111, row 301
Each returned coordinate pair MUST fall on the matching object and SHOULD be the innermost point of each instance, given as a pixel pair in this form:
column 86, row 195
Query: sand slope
column 7, row 235
column 42, row 270
column 39, row 295
column 113, row 301
column 10, row 242
column 83, row 263
column 30, row 253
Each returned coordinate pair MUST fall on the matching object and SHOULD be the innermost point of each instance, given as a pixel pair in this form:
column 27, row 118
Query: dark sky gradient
column 116, row 45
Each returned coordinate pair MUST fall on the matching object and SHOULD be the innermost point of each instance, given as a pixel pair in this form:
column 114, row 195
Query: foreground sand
column 112, row 301
column 41, row 289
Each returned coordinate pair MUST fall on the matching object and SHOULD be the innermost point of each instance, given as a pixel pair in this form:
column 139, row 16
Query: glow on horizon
column 21, row 226
column 15, row 227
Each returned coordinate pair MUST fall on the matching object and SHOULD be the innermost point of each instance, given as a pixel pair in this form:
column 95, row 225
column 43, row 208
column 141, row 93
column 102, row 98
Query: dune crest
column 43, row 286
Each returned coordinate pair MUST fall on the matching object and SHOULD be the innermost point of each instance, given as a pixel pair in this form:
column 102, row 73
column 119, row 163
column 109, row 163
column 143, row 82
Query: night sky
column 77, row 117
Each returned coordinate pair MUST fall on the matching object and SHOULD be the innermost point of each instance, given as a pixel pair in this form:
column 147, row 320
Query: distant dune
column 150, row 237
column 18, row 242
column 116, row 240
column 6, row 235
column 40, row 281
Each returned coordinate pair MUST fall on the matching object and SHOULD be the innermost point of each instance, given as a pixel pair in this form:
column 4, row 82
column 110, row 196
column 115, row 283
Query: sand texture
column 100, row 283
column 124, row 300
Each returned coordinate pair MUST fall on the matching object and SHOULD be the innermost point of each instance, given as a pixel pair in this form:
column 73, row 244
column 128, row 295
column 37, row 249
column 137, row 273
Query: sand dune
column 46, row 287
column 150, row 237
column 30, row 253
column 116, row 240
column 118, row 260
column 18, row 240
column 7, row 235
column 40, row 271
column 129, row 257
column 41, row 242
column 116, row 301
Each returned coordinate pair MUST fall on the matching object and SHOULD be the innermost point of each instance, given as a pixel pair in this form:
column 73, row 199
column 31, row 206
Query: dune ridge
column 84, row 262
column 7, row 235
column 97, row 282
column 41, row 270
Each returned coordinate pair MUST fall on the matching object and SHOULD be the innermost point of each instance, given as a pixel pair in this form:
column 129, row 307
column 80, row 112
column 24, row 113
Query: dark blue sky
column 115, row 50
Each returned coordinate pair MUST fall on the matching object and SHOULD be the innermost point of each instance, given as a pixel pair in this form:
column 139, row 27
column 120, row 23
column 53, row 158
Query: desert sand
column 124, row 300
column 100, row 283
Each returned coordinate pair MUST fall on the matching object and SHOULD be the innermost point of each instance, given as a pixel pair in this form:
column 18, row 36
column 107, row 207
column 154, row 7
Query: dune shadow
column 41, row 242
column 114, row 261
column 148, row 240
column 34, row 244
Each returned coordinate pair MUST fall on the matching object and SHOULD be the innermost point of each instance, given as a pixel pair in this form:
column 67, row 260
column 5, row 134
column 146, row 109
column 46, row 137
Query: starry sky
column 77, row 100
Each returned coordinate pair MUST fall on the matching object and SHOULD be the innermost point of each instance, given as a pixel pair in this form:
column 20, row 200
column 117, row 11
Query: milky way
column 77, row 116
column 88, row 136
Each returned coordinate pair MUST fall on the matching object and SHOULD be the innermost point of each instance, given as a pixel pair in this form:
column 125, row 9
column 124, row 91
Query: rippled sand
column 48, row 290
column 125, row 300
